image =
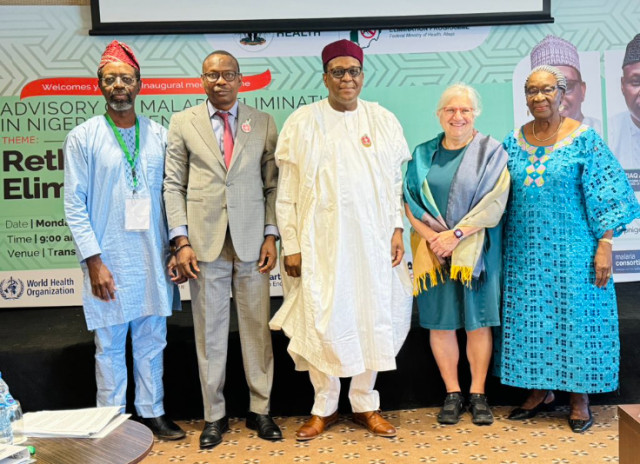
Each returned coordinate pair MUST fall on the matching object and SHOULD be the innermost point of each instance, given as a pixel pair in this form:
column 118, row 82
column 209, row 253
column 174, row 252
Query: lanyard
column 131, row 160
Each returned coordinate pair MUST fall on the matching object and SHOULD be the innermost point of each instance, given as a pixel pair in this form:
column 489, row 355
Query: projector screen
column 212, row 16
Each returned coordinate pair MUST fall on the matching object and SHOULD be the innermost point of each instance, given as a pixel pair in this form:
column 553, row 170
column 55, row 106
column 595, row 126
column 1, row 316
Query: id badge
column 137, row 213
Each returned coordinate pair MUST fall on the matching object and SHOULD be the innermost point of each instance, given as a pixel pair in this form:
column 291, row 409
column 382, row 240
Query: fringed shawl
column 477, row 198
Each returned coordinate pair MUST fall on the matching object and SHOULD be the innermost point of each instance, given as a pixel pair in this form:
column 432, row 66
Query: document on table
column 10, row 454
column 76, row 423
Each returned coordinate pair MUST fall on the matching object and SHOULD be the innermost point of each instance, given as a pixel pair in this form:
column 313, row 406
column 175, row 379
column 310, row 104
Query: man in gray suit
column 220, row 192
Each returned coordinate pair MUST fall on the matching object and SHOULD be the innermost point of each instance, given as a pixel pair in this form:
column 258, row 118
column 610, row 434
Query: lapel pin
column 366, row 141
column 246, row 126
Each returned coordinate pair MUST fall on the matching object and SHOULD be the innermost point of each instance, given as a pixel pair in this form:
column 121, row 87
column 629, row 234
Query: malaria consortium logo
column 11, row 289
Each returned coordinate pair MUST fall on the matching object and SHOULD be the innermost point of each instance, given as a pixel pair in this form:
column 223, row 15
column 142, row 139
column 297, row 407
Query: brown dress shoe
column 375, row 423
column 315, row 426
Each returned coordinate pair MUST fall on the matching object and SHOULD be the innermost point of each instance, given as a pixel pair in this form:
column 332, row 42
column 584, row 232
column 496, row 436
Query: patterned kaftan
column 559, row 330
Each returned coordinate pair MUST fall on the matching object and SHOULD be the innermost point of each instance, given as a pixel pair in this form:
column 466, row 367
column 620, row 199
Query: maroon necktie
column 227, row 139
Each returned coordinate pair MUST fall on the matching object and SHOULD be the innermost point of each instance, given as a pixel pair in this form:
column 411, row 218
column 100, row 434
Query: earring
column 528, row 113
column 561, row 108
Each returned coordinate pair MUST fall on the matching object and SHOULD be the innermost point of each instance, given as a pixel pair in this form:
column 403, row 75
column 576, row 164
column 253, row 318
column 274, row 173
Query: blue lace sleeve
column 610, row 200
column 508, row 141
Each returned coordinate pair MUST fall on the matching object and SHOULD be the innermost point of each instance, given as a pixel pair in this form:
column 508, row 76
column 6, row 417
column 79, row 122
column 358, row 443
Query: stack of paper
column 10, row 454
column 77, row 423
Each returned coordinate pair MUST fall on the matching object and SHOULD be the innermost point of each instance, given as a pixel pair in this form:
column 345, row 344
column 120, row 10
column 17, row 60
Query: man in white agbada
column 624, row 128
column 114, row 164
column 348, row 296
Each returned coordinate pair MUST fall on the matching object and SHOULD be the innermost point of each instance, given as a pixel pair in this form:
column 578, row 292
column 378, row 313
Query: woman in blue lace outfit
column 569, row 198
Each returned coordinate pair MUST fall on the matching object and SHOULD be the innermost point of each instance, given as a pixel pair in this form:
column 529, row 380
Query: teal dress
column 451, row 305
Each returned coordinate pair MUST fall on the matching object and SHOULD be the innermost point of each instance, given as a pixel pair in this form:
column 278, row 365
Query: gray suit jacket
column 199, row 191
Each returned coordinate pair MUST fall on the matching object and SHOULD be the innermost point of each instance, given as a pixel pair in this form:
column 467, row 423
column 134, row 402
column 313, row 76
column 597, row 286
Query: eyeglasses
column 465, row 111
column 338, row 73
column 127, row 81
column 227, row 75
column 546, row 91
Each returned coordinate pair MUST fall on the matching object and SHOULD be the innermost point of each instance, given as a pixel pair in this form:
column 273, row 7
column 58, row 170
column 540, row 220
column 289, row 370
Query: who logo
column 11, row 289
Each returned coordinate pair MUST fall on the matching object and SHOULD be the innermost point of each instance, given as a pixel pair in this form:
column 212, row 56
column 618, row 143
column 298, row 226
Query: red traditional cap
column 342, row 47
column 118, row 52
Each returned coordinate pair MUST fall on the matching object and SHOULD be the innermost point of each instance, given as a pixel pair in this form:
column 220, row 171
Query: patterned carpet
column 544, row 439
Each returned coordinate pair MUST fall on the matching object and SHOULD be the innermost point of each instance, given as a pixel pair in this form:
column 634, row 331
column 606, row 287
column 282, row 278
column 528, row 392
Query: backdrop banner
column 48, row 85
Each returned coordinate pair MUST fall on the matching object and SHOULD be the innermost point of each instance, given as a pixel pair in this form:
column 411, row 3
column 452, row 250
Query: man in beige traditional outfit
column 348, row 294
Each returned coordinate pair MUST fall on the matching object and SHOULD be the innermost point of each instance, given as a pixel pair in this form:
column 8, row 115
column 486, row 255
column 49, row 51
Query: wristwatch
column 458, row 233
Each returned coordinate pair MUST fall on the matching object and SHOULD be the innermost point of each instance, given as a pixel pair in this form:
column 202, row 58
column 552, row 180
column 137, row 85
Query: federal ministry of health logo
column 254, row 41
column 11, row 289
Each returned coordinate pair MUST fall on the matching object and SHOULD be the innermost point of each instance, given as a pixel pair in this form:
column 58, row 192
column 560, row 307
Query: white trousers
column 148, row 339
column 362, row 396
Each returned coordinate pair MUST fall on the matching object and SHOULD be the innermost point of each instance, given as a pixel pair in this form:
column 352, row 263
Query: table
column 629, row 433
column 127, row 444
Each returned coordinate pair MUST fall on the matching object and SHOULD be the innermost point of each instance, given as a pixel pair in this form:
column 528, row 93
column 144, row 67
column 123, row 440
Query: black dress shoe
column 212, row 433
column 522, row 414
column 163, row 428
column 263, row 423
column 580, row 425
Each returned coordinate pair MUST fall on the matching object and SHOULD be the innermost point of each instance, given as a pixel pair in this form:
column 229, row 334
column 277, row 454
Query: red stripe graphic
column 55, row 86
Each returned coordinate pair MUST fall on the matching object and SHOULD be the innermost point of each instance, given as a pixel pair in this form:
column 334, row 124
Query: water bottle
column 4, row 392
column 6, row 432
column 4, row 389
column 17, row 421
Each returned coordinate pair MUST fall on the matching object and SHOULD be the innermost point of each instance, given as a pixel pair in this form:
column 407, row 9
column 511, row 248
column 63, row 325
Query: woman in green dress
column 455, row 191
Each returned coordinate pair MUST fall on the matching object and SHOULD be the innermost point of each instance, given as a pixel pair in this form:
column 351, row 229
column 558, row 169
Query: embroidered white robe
column 339, row 202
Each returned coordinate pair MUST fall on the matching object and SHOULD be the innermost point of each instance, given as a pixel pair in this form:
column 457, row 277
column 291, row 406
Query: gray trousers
column 211, row 311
